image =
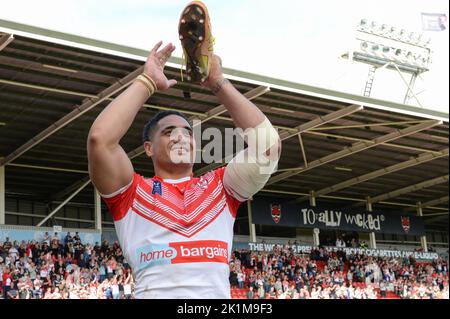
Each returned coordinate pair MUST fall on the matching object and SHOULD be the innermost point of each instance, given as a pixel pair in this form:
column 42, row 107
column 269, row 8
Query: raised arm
column 110, row 169
column 244, row 113
column 250, row 170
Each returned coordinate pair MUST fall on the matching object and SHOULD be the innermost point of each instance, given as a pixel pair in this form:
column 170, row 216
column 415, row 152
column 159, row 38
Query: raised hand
column 215, row 73
column 154, row 67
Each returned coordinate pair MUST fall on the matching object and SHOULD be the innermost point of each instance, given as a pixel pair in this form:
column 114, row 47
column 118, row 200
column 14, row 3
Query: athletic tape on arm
column 251, row 168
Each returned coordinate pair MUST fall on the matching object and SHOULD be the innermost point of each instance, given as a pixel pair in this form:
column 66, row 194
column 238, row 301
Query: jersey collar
column 174, row 181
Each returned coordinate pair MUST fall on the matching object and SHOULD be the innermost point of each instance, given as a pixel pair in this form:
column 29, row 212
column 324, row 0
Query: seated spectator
column 68, row 239
column 33, row 270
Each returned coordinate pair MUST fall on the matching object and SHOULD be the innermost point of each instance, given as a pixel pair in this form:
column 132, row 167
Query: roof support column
column 312, row 198
column 250, row 222
column 372, row 237
column 316, row 231
column 423, row 239
column 97, row 210
column 2, row 195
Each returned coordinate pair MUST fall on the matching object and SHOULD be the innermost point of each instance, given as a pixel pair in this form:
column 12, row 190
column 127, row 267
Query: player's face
column 173, row 142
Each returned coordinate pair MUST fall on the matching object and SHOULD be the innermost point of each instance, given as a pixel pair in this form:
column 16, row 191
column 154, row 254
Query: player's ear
column 148, row 146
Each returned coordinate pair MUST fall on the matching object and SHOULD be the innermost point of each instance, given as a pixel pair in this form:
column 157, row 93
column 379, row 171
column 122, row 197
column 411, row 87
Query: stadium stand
column 355, row 147
column 324, row 275
column 51, row 269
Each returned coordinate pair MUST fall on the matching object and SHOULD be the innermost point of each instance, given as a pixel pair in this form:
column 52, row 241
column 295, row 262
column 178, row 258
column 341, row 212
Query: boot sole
column 192, row 35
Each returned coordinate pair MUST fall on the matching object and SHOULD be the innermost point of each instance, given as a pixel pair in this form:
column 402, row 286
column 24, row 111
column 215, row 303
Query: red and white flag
column 434, row 21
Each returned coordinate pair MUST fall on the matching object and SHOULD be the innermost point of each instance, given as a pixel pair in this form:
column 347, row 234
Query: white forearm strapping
column 251, row 168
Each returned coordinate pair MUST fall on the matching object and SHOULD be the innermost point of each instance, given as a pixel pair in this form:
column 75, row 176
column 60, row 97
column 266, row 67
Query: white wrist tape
column 250, row 169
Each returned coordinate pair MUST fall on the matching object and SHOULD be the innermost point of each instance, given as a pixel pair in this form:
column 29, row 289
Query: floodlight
column 364, row 46
column 386, row 51
column 387, row 46
column 392, row 31
column 362, row 24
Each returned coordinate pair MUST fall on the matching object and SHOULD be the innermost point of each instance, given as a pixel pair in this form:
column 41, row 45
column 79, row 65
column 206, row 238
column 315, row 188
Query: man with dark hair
column 176, row 230
column 150, row 127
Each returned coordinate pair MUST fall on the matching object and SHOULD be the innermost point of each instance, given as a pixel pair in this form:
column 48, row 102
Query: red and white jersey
column 177, row 235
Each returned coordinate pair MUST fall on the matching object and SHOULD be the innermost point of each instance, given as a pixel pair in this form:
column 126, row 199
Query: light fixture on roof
column 402, row 34
column 386, row 51
column 364, row 46
column 2, row 124
column 362, row 24
column 384, row 28
column 409, row 55
column 419, row 39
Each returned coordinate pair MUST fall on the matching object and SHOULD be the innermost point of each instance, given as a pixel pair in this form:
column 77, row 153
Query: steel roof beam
column 5, row 39
column 314, row 131
column 432, row 202
column 436, row 218
column 48, row 168
column 80, row 110
column 70, row 188
column 356, row 148
column 251, row 94
column 422, row 158
column 409, row 189
column 63, row 203
column 345, row 198
column 121, row 50
column 285, row 134
column 436, row 201
column 359, row 139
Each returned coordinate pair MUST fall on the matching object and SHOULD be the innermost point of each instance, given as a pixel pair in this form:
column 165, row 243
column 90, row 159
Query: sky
column 300, row 41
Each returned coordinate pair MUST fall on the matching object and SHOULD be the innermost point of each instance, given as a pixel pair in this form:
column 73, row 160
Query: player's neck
column 173, row 173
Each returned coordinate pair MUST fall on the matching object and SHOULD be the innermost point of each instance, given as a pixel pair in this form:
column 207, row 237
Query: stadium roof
column 344, row 147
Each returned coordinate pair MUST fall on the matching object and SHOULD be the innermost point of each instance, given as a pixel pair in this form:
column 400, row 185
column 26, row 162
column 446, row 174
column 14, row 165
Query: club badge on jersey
column 157, row 189
column 203, row 183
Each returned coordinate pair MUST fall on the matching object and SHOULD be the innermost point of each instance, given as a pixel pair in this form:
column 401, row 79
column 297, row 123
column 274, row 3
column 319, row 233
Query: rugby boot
column 194, row 30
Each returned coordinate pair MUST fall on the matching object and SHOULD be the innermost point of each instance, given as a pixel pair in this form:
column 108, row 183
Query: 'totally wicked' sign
column 269, row 212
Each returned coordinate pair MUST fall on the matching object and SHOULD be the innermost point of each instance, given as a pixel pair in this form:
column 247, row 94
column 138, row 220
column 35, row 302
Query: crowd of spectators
column 51, row 269
column 322, row 274
column 69, row 269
